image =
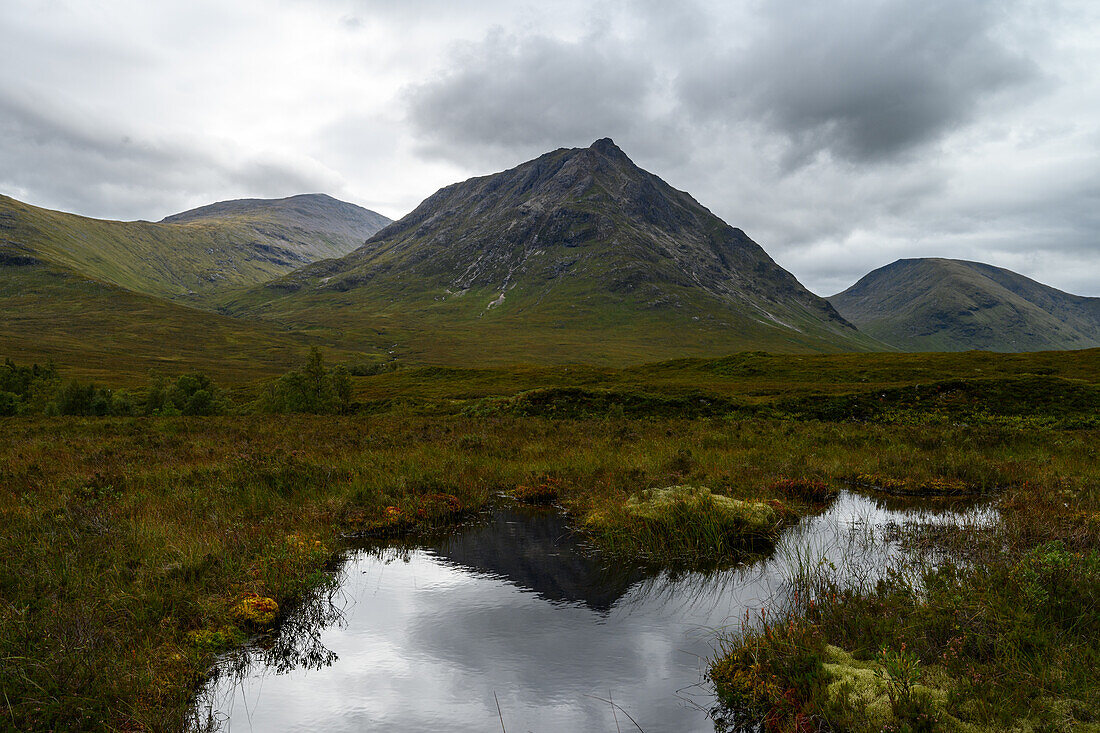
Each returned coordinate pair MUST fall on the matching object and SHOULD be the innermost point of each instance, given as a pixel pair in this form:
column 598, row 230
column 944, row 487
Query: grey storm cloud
column 529, row 95
column 863, row 80
column 89, row 165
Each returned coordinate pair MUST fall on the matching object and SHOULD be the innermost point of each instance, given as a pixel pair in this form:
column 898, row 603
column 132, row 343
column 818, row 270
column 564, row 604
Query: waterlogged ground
column 513, row 619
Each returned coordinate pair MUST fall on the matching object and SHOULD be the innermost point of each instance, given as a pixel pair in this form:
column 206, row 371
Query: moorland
column 138, row 546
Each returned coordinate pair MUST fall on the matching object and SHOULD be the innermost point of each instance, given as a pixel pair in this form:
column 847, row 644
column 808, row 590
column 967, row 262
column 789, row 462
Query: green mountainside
column 937, row 304
column 110, row 300
column 578, row 255
column 194, row 255
column 102, row 331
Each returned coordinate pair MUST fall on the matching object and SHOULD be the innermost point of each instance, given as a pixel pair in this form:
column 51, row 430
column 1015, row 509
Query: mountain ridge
column 317, row 212
column 114, row 298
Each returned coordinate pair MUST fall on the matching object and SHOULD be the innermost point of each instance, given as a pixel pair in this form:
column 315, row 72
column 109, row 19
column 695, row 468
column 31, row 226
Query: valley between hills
column 208, row 419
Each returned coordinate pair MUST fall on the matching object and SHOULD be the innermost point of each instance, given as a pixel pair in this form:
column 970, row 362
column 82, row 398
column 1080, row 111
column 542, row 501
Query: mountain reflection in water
column 514, row 610
column 538, row 551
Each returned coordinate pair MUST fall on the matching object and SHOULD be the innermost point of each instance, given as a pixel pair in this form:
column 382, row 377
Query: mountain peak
column 607, row 146
column 576, row 253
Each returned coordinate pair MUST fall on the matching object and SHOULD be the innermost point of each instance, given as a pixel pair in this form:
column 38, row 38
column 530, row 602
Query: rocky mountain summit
column 579, row 249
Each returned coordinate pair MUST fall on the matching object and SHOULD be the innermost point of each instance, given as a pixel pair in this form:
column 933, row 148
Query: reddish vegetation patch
column 807, row 489
column 543, row 491
column 418, row 513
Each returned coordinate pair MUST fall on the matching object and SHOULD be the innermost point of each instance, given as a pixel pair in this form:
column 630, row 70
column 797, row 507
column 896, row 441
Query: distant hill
column 194, row 255
column 316, row 217
column 578, row 255
column 937, row 304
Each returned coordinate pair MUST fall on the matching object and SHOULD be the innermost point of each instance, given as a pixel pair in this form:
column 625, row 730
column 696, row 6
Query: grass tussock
column 540, row 492
column 685, row 524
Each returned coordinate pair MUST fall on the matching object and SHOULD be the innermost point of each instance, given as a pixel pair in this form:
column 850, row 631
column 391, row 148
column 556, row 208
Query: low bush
column 188, row 394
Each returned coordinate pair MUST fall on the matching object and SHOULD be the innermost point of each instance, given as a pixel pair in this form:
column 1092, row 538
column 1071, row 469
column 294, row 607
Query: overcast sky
column 840, row 134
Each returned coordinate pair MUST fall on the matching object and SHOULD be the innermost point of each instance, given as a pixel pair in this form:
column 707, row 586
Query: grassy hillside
column 953, row 305
column 574, row 325
column 96, row 330
column 200, row 255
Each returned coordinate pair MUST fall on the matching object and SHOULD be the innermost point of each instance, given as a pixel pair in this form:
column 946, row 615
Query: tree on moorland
column 190, row 394
column 26, row 389
column 311, row 389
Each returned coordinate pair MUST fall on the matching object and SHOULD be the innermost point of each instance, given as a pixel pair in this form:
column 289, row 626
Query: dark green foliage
column 80, row 398
column 190, row 394
column 24, row 388
column 38, row 390
column 312, row 389
column 578, row 403
column 9, row 404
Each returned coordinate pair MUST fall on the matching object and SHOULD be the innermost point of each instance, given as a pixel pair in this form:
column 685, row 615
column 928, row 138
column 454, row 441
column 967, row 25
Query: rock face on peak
column 577, row 255
column 936, row 304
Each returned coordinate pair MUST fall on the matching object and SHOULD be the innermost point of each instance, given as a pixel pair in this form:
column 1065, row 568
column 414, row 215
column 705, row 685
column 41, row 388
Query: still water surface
column 515, row 611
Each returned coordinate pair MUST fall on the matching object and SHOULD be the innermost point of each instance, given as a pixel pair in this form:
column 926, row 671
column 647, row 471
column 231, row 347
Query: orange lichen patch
column 256, row 610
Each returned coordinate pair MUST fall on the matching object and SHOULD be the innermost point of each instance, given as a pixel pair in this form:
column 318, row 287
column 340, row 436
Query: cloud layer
column 841, row 135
